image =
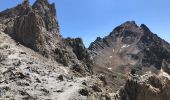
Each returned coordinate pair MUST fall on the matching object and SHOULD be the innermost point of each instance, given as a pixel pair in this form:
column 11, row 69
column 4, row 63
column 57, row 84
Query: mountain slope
column 27, row 75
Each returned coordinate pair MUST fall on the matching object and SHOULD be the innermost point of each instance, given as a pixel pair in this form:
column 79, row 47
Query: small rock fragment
column 103, row 79
column 17, row 63
column 61, row 78
column 84, row 92
column 96, row 88
column 84, row 83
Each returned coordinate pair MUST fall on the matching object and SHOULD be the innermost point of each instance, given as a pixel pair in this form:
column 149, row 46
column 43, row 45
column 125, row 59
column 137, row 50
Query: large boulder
column 146, row 87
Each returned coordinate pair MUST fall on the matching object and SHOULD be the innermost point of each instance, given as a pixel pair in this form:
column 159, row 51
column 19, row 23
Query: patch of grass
column 120, row 76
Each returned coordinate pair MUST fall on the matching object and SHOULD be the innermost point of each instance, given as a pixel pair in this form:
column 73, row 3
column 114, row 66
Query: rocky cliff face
column 81, row 52
column 29, row 25
column 48, row 13
column 37, row 28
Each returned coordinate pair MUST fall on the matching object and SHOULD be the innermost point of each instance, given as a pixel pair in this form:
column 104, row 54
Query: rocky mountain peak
column 131, row 45
column 48, row 12
column 36, row 26
column 44, row 6
column 130, row 25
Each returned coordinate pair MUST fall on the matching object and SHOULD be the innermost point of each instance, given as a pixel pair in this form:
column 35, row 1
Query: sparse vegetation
column 120, row 76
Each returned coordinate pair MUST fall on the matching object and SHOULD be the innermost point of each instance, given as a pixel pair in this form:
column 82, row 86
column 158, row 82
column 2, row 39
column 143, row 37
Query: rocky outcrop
column 146, row 87
column 48, row 13
column 71, row 52
column 35, row 27
column 81, row 52
column 32, row 29
column 64, row 55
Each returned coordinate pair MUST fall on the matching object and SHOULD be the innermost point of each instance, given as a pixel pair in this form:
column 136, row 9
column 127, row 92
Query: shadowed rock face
column 129, row 46
column 81, row 52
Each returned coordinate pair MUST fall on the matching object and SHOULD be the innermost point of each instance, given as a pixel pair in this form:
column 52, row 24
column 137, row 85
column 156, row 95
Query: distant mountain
column 130, row 46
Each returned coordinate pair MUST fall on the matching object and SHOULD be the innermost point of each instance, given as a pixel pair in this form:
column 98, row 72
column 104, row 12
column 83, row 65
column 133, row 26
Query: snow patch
column 109, row 68
column 125, row 46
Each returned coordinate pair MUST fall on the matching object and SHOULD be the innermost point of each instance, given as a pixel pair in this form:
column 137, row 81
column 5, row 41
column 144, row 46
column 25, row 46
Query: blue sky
column 89, row 19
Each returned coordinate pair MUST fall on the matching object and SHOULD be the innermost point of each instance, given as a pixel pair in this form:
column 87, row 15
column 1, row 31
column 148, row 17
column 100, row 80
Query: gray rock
column 96, row 88
column 84, row 92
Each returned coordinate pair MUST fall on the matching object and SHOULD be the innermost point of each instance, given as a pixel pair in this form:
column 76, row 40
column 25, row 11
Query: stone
column 103, row 79
column 78, row 68
column 17, row 62
column 105, row 97
column 2, row 57
column 146, row 87
column 2, row 92
column 38, row 80
column 84, row 83
column 84, row 92
column 61, row 78
column 60, row 91
column 96, row 88
column 45, row 90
